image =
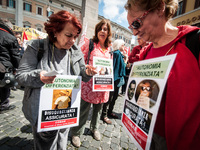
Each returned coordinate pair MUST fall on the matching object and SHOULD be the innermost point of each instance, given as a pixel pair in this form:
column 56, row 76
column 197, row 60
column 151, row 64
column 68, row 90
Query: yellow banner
column 30, row 33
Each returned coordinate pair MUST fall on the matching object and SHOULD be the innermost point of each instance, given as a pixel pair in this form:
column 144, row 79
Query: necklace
column 169, row 49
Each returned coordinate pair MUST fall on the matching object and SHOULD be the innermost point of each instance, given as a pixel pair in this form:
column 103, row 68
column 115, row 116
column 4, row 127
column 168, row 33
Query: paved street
column 15, row 131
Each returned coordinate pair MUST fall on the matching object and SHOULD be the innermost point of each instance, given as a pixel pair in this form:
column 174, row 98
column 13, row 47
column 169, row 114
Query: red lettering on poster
column 136, row 132
column 58, row 123
column 102, row 87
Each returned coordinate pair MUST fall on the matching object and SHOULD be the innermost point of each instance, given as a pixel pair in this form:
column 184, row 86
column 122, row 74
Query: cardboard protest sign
column 60, row 103
column 145, row 88
column 103, row 80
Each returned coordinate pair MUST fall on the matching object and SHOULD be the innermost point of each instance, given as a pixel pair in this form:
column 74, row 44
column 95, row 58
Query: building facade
column 188, row 13
column 119, row 32
column 33, row 14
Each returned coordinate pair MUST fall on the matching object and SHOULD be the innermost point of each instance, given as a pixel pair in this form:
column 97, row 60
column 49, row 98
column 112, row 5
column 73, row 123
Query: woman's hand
column 90, row 70
column 125, row 57
column 46, row 79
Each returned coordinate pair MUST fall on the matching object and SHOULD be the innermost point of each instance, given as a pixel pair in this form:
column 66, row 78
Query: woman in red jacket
column 136, row 50
column 178, row 125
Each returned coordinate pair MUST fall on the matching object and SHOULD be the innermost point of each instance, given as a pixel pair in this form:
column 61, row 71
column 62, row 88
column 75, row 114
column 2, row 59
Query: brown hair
column 171, row 6
column 57, row 22
column 98, row 28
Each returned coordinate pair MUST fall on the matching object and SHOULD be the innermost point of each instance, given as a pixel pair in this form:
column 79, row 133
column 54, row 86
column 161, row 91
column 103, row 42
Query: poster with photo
column 143, row 95
column 60, row 103
column 103, row 80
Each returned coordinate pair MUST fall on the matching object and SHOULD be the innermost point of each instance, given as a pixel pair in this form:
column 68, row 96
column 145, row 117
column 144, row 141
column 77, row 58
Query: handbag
column 121, row 82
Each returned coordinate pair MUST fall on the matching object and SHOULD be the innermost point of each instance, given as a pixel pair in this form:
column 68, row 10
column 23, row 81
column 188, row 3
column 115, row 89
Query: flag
column 24, row 36
column 83, row 37
column 127, row 50
column 25, row 39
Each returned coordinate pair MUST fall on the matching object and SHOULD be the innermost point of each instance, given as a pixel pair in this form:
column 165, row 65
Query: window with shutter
column 27, row 7
column 39, row 10
column 181, row 7
column 11, row 3
column 197, row 4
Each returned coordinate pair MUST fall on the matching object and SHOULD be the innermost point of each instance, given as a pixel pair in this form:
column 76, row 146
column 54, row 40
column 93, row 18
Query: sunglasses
column 137, row 23
column 146, row 88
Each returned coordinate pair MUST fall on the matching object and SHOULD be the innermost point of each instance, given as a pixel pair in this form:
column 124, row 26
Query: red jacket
column 178, row 118
column 133, row 57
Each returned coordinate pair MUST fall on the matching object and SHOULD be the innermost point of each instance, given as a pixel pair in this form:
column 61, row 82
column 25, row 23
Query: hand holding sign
column 46, row 79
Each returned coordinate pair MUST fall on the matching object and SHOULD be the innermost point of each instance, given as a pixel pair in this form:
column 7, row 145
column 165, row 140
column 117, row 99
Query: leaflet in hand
column 53, row 73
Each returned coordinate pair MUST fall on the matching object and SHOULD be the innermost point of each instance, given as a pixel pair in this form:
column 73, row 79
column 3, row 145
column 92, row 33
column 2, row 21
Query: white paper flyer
column 60, row 103
column 145, row 88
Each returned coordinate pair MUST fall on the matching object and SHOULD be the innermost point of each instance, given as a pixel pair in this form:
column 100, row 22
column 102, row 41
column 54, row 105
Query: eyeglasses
column 137, row 23
column 146, row 88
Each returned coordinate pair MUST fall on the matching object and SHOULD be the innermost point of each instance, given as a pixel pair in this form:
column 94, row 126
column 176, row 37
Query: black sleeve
column 14, row 53
column 193, row 43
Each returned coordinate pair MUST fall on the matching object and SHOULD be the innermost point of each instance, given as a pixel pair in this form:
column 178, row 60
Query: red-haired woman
column 59, row 53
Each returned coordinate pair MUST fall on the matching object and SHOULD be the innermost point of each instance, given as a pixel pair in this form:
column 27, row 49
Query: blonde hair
column 117, row 44
column 171, row 6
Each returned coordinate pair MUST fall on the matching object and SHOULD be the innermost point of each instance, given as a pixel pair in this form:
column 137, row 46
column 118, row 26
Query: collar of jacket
column 6, row 29
column 119, row 52
column 76, row 54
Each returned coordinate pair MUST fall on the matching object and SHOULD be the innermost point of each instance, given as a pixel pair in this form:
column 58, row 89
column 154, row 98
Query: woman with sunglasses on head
column 59, row 52
column 178, row 124
column 102, row 40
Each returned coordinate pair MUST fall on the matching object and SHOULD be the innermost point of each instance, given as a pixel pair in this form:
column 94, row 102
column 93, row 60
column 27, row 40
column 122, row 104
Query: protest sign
column 145, row 88
column 60, row 103
column 103, row 80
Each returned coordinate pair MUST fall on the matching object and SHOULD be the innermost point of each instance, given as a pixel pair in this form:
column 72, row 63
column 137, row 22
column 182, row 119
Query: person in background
column 19, row 39
column 177, row 124
column 102, row 40
column 127, row 70
column 60, row 53
column 9, row 59
column 132, row 58
column 136, row 50
column 119, row 71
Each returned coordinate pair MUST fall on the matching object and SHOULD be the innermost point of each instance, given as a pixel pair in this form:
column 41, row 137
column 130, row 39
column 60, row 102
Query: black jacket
column 9, row 48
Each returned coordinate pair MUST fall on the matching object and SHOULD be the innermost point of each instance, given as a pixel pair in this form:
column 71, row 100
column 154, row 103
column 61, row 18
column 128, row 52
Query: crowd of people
column 150, row 22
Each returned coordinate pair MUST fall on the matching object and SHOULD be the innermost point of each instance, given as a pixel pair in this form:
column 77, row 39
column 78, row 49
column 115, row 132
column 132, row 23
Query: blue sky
column 114, row 10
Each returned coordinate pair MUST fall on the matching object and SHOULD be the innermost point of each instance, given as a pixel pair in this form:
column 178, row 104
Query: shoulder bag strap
column 91, row 47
